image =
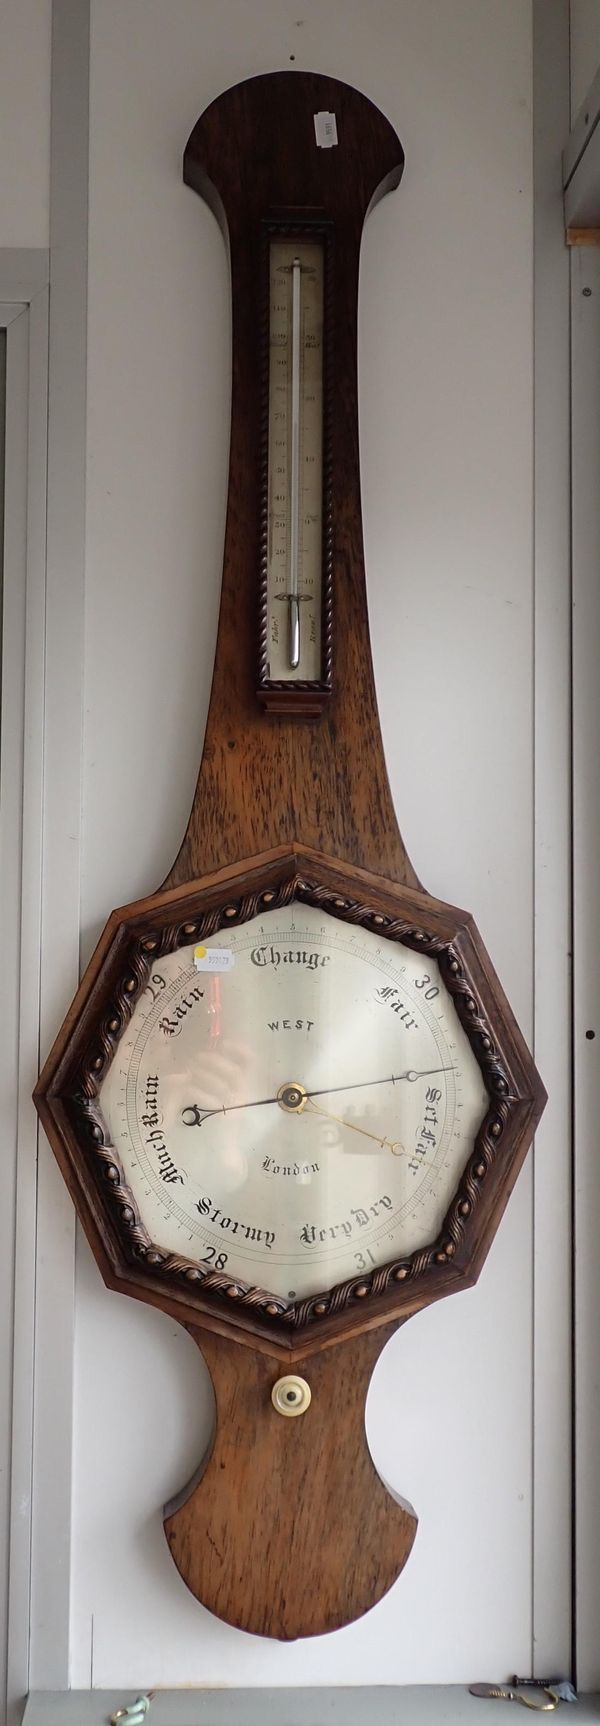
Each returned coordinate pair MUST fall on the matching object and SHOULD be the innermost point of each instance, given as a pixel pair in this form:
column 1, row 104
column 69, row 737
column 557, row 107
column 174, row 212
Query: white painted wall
column 446, row 430
column 585, row 49
column 25, row 122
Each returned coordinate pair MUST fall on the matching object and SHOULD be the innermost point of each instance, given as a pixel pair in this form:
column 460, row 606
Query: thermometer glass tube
column 295, row 460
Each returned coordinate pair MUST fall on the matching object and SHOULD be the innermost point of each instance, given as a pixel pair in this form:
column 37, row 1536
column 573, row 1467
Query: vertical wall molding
column 585, row 299
column 51, row 1541
column 551, row 1650
column 22, row 276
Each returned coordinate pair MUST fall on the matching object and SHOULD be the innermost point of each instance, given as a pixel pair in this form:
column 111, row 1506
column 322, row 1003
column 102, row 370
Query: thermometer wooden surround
column 290, row 1098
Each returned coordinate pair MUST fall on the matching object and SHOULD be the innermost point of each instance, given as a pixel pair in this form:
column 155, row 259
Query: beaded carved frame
column 67, row 1098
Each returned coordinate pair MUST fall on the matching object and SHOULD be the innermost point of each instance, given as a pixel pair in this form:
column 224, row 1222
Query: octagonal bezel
column 67, row 1099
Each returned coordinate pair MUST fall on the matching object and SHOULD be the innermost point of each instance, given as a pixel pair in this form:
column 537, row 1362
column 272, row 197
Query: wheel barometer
column 290, row 1099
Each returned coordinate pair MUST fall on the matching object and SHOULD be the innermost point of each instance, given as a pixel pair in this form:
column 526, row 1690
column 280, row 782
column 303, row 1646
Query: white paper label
column 325, row 130
column 213, row 958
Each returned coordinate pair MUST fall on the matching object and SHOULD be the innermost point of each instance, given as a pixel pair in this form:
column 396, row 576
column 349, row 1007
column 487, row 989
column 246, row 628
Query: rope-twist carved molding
column 142, row 952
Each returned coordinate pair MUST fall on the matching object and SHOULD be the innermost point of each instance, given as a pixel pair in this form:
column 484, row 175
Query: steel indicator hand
column 194, row 1116
column 290, row 1097
column 392, row 1079
column 294, row 1097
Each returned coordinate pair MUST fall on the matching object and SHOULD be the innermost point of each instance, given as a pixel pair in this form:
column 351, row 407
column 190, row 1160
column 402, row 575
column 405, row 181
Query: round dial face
column 294, row 1102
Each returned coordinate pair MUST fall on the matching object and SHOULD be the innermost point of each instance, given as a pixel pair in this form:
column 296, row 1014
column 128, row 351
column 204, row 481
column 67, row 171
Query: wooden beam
column 582, row 236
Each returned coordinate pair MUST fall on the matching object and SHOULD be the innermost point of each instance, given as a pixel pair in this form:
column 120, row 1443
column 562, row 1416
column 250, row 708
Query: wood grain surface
column 289, row 1531
column 266, row 779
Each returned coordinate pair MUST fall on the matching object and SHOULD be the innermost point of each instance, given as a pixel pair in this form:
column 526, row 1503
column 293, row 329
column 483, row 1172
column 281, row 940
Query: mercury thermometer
column 295, row 461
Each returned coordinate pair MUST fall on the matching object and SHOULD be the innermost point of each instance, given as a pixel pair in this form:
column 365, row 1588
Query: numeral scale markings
column 295, row 460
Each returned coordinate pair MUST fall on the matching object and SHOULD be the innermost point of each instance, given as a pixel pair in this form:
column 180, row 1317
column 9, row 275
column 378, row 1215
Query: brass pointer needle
column 386, row 1144
column 394, row 1145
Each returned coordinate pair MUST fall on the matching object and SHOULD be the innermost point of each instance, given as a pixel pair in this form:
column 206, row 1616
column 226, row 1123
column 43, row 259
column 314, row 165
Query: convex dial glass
column 295, row 1103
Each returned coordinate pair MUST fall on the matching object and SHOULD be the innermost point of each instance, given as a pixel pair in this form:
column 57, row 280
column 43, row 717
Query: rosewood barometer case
column 290, row 1099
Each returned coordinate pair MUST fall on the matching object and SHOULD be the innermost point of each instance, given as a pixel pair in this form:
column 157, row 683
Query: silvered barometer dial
column 295, row 1106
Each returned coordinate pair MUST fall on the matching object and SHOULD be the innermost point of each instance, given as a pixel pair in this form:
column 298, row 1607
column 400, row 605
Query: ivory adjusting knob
column 291, row 1395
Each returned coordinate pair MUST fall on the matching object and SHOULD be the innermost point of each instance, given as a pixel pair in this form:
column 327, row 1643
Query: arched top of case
column 288, row 166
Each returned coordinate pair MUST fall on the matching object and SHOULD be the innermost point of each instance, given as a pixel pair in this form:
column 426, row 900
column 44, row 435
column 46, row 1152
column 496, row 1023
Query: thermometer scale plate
column 295, row 570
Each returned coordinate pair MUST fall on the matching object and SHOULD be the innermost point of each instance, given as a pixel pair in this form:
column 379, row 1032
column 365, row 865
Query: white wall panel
column 25, row 122
column 446, row 359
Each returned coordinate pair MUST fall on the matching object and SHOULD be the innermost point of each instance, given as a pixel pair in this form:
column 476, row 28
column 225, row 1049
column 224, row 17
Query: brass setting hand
column 394, row 1145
